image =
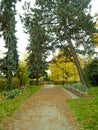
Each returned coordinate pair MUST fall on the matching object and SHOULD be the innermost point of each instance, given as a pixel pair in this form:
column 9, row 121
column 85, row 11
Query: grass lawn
column 8, row 106
column 86, row 110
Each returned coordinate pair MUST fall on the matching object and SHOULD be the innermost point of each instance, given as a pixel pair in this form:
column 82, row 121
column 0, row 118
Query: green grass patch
column 59, row 86
column 86, row 110
column 93, row 91
column 8, row 106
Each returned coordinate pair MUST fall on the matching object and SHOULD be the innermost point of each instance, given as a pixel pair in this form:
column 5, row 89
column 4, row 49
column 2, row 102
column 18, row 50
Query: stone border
column 70, row 93
column 78, row 93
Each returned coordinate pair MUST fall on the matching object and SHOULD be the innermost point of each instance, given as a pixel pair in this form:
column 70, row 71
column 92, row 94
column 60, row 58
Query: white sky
column 22, row 37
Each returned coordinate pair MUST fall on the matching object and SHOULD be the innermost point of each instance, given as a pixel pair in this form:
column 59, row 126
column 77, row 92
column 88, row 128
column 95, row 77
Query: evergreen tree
column 91, row 72
column 72, row 24
column 8, row 23
column 38, row 43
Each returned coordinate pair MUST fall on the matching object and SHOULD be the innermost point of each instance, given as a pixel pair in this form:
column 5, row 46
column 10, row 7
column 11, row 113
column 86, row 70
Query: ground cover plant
column 86, row 110
column 9, row 105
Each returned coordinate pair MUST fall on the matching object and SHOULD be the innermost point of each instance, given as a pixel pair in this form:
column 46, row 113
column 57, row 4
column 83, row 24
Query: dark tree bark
column 77, row 64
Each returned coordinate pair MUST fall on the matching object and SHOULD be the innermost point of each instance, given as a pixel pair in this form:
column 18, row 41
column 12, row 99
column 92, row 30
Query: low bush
column 91, row 73
column 63, row 82
column 11, row 94
column 32, row 82
column 75, row 85
column 3, row 84
column 15, row 83
column 23, row 75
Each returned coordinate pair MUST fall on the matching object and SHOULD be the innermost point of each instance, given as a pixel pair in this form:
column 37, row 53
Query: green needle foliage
column 91, row 72
column 7, row 26
column 71, row 25
column 38, row 47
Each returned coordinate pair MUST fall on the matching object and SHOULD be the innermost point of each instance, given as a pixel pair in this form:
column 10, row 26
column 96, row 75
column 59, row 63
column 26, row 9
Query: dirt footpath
column 45, row 110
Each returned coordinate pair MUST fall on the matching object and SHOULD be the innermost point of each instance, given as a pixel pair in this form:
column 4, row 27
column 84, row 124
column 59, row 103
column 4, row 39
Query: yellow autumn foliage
column 61, row 69
column 96, row 39
column 95, row 36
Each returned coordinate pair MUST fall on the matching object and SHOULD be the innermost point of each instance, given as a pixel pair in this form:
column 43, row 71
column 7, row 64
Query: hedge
column 3, row 83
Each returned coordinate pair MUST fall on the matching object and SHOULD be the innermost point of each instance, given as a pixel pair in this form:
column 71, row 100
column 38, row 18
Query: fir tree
column 38, row 43
column 8, row 23
column 72, row 24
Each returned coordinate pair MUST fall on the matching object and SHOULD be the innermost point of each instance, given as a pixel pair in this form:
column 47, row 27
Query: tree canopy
column 50, row 24
column 68, row 24
column 7, row 27
column 63, row 68
column 38, row 47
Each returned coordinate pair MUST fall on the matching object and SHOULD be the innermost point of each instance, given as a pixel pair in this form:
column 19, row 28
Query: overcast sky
column 22, row 37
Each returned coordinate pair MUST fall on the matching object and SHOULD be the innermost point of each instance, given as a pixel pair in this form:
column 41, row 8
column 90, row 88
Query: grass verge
column 8, row 106
column 86, row 110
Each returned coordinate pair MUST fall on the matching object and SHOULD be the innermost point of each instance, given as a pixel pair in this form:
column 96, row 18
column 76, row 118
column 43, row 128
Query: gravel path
column 45, row 110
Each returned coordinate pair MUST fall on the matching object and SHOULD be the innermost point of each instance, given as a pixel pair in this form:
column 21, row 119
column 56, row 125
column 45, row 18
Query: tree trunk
column 37, row 79
column 9, row 80
column 77, row 64
column 9, row 72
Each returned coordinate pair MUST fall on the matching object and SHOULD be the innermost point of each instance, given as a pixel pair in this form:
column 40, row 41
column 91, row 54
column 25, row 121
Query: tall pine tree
column 72, row 24
column 38, row 42
column 8, row 23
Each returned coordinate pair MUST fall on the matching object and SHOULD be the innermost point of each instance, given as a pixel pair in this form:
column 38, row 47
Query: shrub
column 91, row 73
column 11, row 94
column 77, row 85
column 15, row 83
column 3, row 84
column 32, row 82
column 23, row 75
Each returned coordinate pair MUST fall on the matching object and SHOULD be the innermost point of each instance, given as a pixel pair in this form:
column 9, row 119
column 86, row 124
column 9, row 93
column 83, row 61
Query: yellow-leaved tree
column 63, row 68
column 22, row 73
column 96, row 34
